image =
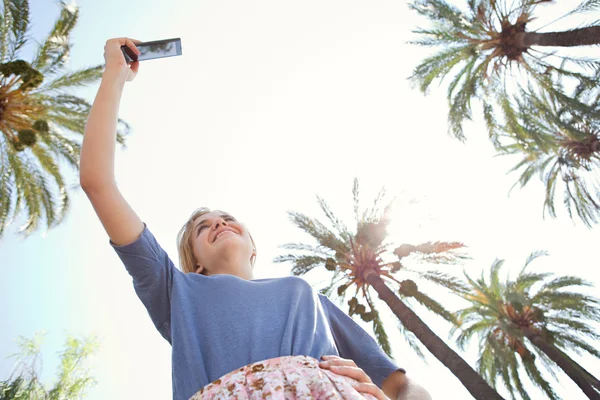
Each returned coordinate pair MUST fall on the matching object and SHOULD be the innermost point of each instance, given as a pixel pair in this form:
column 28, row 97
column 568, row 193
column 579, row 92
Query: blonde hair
column 184, row 243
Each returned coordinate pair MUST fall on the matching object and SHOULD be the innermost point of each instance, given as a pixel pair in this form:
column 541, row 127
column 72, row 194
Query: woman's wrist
column 413, row 391
column 115, row 74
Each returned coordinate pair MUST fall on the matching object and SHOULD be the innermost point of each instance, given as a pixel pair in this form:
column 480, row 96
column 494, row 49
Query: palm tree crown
column 561, row 144
column 351, row 256
column 40, row 119
column 489, row 45
column 510, row 316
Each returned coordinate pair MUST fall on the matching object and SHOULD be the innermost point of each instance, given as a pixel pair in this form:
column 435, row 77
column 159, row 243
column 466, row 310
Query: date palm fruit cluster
column 19, row 78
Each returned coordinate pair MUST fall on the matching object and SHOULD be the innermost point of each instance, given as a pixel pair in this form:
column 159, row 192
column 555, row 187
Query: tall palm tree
column 362, row 259
column 485, row 49
column 73, row 380
column 529, row 322
column 41, row 121
column 561, row 144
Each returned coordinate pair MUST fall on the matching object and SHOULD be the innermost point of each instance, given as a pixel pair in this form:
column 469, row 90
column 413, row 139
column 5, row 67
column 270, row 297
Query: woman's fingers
column 335, row 360
column 342, row 366
column 134, row 70
column 352, row 372
column 130, row 43
column 371, row 389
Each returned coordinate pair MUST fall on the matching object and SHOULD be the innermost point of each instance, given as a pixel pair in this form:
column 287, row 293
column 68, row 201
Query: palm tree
column 559, row 143
column 358, row 262
column 529, row 322
column 491, row 45
column 41, row 121
column 73, row 380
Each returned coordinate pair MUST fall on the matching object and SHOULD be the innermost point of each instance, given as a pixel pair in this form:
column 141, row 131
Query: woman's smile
column 224, row 232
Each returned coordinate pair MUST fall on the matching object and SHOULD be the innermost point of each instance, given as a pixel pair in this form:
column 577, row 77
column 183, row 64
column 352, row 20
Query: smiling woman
column 250, row 337
column 199, row 252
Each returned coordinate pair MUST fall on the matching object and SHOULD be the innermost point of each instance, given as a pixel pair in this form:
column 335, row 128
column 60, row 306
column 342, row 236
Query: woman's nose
column 220, row 222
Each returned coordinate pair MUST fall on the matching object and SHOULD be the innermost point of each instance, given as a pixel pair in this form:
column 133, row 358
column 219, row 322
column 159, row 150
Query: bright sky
column 271, row 104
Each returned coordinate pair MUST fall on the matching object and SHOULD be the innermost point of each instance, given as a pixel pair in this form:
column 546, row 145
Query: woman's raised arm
column 97, row 175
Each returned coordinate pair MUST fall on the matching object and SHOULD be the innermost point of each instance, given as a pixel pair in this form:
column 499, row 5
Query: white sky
column 271, row 104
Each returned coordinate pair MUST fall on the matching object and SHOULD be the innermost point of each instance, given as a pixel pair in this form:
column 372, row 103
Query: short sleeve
column 354, row 343
column 152, row 271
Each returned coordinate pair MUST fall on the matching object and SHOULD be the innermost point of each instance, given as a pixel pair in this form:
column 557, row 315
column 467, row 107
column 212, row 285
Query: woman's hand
column 349, row 368
column 115, row 60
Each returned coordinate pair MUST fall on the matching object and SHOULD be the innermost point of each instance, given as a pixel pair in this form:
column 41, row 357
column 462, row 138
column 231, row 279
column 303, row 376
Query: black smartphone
column 152, row 50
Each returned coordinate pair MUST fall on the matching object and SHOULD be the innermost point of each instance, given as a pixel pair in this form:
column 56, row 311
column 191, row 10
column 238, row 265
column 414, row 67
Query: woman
column 252, row 338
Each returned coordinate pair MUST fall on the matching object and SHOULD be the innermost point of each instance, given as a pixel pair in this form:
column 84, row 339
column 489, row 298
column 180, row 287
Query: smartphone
column 152, row 50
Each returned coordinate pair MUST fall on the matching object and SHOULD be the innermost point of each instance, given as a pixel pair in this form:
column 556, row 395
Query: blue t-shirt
column 216, row 324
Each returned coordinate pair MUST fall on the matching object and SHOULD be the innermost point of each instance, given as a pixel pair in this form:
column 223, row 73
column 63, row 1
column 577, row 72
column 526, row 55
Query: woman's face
column 220, row 243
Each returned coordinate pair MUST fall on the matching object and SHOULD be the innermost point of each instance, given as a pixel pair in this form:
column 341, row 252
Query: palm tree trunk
column 570, row 367
column 474, row 383
column 595, row 382
column 575, row 37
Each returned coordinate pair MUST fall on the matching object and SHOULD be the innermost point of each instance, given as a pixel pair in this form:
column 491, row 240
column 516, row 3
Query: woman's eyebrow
column 225, row 215
column 197, row 228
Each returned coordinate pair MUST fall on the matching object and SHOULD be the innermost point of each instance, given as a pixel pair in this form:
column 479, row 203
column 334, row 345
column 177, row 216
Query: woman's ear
column 200, row 269
column 253, row 257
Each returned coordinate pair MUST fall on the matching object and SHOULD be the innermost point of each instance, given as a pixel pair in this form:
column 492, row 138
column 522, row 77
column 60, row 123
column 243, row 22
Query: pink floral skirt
column 282, row 378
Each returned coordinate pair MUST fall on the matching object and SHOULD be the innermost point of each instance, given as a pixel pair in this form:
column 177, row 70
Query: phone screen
column 152, row 50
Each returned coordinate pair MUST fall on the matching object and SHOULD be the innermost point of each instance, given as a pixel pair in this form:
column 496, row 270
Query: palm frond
column 516, row 378
column 6, row 196
column 534, row 256
column 448, row 281
column 434, row 252
column 480, row 328
column 305, row 247
column 372, row 214
column 356, row 200
column 318, row 231
column 585, row 6
column 302, row 264
column 54, row 52
column 379, row 329
column 538, row 380
column 439, row 11
column 19, row 14
column 337, row 224
column 439, row 65
column 75, row 79
column 54, row 212
column 434, row 307
column 5, row 30
column 412, row 341
column 562, row 282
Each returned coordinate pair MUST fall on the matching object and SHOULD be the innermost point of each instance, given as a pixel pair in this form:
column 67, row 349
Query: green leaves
column 500, row 309
column 72, row 381
column 561, row 145
column 75, row 79
column 19, row 13
column 432, row 252
column 54, row 52
column 41, row 123
column 439, row 11
column 325, row 237
column 586, row 6
column 302, row 264
column 350, row 255
column 478, row 50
